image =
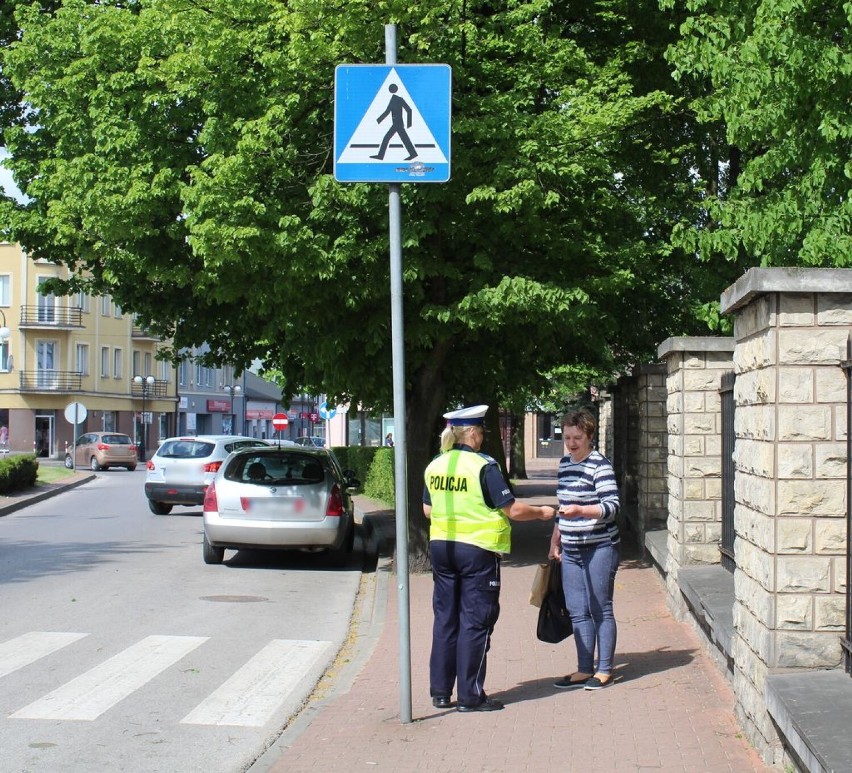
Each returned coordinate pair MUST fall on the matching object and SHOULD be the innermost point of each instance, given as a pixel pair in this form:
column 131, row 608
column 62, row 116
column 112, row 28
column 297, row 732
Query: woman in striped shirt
column 586, row 538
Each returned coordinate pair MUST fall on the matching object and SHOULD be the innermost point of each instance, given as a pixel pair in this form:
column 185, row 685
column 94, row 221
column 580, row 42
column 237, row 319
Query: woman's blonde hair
column 453, row 435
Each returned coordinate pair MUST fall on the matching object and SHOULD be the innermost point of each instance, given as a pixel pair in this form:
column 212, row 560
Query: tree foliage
column 778, row 75
column 177, row 154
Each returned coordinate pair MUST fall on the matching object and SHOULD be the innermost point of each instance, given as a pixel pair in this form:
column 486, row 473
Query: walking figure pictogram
column 395, row 109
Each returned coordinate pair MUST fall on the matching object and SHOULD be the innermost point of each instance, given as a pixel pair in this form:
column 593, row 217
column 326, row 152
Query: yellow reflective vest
column 459, row 512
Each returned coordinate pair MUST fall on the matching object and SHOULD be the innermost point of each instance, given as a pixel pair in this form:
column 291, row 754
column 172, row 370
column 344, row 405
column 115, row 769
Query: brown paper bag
column 540, row 584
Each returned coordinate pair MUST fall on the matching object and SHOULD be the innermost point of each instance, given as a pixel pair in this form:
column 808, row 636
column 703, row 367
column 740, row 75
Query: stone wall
column 694, row 369
column 791, row 329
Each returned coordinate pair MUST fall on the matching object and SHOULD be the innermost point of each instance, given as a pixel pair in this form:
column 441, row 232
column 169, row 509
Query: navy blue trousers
column 466, row 605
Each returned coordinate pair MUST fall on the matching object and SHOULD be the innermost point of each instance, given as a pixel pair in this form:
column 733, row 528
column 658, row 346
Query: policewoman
column 469, row 505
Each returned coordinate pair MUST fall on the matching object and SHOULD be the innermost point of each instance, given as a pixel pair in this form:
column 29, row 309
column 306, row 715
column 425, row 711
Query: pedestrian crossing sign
column 392, row 123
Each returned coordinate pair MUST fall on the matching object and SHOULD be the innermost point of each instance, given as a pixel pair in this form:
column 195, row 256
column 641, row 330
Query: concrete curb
column 25, row 500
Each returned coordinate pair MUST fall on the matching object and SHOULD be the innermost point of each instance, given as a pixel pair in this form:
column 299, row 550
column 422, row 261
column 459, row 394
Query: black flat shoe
column 487, row 705
column 442, row 701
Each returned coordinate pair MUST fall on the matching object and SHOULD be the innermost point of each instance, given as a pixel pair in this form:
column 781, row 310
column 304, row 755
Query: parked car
column 182, row 467
column 311, row 441
column 279, row 498
column 102, row 450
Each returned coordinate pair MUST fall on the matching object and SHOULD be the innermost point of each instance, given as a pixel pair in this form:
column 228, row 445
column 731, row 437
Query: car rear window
column 276, row 469
column 237, row 444
column 116, row 440
column 185, row 449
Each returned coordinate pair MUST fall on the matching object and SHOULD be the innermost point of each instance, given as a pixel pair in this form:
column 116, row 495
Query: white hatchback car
column 182, row 467
column 279, row 498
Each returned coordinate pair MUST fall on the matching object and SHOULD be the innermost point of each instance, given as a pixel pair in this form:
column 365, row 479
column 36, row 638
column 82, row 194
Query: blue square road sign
column 392, row 123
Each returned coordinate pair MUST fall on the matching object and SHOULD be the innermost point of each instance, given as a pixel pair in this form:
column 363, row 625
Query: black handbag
column 554, row 622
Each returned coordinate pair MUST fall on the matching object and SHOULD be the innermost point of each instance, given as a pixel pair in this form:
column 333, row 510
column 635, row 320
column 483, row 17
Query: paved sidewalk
column 669, row 710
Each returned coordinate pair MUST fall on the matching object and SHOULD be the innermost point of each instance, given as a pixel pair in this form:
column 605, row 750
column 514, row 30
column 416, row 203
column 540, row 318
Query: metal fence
column 726, row 546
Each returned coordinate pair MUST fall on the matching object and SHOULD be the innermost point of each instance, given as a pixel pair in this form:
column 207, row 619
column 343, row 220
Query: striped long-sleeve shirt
column 590, row 482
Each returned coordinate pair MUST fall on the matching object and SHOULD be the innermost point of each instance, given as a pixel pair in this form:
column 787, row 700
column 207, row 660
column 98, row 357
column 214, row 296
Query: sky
column 6, row 181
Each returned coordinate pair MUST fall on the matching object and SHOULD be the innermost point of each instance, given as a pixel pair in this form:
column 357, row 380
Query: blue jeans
column 588, row 578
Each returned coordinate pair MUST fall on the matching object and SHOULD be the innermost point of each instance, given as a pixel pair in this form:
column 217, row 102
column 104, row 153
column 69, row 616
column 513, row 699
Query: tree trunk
column 517, row 448
column 424, row 408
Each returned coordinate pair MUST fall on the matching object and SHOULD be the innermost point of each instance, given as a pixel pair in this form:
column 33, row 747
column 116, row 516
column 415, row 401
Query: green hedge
column 17, row 473
column 373, row 467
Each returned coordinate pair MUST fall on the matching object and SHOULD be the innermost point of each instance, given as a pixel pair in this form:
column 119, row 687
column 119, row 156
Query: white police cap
column 466, row 416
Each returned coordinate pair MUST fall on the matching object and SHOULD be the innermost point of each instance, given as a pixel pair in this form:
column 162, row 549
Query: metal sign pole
column 401, row 483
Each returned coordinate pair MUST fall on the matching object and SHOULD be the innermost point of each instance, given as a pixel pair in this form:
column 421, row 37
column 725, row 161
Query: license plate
column 273, row 508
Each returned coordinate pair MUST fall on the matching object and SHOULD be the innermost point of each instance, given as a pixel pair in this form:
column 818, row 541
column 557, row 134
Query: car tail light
column 103, row 447
column 149, row 465
column 335, row 502
column 211, row 503
column 132, row 448
column 212, row 466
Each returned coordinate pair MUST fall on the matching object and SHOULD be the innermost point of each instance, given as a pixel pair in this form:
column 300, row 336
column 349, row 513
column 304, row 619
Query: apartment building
column 56, row 352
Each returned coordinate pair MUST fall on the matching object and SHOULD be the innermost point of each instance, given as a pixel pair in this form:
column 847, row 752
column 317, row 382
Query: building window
column 183, row 372
column 117, row 311
column 117, row 357
column 147, row 364
column 82, row 301
column 106, row 305
column 165, row 370
column 81, row 359
column 104, row 362
column 5, row 365
column 136, row 363
column 5, row 290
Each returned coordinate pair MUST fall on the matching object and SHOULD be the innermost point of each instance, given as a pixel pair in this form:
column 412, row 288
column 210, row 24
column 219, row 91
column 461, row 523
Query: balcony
column 159, row 388
column 141, row 334
column 51, row 381
column 52, row 317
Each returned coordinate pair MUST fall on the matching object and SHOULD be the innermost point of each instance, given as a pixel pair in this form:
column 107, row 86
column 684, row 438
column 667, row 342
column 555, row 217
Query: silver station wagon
column 182, row 468
column 286, row 497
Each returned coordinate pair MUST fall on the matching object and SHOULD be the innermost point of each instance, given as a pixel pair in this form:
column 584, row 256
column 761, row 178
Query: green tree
column 778, row 76
column 179, row 152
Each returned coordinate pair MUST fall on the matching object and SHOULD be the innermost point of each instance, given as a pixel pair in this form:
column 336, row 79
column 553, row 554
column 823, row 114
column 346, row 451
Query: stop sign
column 280, row 421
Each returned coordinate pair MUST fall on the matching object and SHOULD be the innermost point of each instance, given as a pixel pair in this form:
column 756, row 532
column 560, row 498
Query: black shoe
column 597, row 684
column 442, row 701
column 567, row 683
column 489, row 704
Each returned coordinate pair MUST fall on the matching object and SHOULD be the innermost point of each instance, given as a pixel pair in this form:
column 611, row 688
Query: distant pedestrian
column 4, row 439
column 586, row 538
column 470, row 505
column 389, row 440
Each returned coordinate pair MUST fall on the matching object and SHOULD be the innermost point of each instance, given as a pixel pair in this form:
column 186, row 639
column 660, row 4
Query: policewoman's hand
column 547, row 512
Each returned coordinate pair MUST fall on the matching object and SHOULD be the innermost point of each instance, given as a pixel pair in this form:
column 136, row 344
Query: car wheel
column 95, row 464
column 159, row 508
column 212, row 555
column 131, row 467
column 69, row 463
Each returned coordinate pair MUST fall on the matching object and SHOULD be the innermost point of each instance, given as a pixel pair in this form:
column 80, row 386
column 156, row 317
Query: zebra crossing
column 248, row 698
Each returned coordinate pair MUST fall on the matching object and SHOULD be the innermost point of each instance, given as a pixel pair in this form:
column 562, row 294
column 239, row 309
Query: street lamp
column 4, row 331
column 232, row 391
column 146, row 382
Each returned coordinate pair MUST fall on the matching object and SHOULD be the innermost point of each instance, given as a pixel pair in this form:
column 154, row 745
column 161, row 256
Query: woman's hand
column 555, row 551
column 571, row 511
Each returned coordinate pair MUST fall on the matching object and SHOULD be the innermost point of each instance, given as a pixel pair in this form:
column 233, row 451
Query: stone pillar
column 694, row 368
column 791, row 328
column 653, row 441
